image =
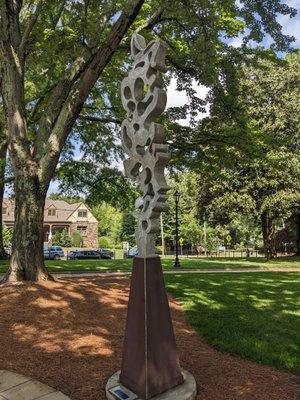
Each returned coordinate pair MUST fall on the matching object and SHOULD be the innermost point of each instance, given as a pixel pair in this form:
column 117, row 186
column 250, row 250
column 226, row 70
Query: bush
column 77, row 240
column 105, row 242
column 158, row 249
column 61, row 239
column 7, row 235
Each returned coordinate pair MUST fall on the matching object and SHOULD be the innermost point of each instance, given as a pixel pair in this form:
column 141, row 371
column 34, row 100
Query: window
column 82, row 213
column 52, row 212
column 4, row 210
column 82, row 230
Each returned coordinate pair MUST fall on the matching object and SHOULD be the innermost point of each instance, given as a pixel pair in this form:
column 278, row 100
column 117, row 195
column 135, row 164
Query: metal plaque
column 122, row 393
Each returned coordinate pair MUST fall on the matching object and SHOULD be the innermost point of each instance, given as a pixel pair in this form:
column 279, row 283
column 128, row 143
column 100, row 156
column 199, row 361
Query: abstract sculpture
column 143, row 140
column 150, row 364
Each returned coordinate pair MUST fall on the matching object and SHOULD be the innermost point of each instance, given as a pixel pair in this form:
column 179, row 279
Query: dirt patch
column 68, row 334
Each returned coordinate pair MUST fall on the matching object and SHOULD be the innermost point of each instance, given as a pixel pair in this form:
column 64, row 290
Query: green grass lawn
column 186, row 263
column 255, row 316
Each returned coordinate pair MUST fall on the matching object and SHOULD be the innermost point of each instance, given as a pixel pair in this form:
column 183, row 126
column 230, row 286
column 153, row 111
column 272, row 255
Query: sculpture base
column 186, row 391
column 150, row 363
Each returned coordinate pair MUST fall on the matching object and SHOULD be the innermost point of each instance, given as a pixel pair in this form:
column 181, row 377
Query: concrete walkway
column 18, row 387
column 177, row 271
column 172, row 272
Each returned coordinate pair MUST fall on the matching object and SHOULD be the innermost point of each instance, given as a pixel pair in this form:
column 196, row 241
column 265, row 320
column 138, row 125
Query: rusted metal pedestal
column 150, row 364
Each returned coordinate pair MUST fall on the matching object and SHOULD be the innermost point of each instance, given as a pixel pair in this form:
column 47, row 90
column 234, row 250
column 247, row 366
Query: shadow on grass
column 256, row 316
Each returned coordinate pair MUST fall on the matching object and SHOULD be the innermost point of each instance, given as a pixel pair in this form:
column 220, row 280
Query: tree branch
column 155, row 19
column 10, row 26
column 104, row 120
column 57, row 18
column 75, row 101
column 57, row 98
column 12, row 89
column 29, row 28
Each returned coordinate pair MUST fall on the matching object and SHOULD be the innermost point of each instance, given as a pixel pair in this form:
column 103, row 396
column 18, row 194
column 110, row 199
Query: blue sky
column 291, row 26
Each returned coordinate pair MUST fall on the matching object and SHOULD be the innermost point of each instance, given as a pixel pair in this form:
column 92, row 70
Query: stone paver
column 17, row 387
column 9, row 380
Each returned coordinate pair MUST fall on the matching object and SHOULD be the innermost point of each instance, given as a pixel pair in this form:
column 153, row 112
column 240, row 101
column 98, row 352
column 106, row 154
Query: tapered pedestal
column 150, row 364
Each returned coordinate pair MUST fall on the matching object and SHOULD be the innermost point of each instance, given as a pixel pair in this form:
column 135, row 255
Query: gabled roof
column 63, row 210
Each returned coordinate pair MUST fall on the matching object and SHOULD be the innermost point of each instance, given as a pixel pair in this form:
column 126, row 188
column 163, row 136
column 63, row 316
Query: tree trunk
column 34, row 161
column 268, row 231
column 3, row 148
column 27, row 259
column 298, row 235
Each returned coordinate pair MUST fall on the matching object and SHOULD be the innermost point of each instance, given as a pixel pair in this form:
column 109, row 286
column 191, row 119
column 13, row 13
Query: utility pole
column 176, row 199
column 162, row 235
column 204, row 235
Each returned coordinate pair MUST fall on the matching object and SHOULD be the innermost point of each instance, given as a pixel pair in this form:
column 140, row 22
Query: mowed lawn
column 255, row 316
column 186, row 263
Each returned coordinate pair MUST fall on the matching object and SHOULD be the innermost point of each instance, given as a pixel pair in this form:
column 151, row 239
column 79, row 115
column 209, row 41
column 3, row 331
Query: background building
column 60, row 215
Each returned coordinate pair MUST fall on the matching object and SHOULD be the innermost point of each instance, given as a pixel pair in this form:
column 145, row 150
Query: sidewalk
column 79, row 274
column 179, row 271
column 14, row 386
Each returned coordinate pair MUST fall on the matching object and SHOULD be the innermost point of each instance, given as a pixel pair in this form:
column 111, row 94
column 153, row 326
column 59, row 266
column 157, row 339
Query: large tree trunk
column 27, row 260
column 34, row 161
column 3, row 148
column 268, row 231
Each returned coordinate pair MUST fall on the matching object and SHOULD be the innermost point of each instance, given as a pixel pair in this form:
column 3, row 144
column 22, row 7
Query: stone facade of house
column 60, row 215
column 90, row 235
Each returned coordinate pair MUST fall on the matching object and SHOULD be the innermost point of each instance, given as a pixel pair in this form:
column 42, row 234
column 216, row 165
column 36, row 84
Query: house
column 60, row 215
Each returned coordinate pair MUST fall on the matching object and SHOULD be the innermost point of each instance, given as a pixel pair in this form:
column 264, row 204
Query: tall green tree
column 26, row 31
column 52, row 55
column 264, row 181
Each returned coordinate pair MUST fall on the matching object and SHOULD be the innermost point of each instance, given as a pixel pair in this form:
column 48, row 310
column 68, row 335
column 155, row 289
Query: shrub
column 105, row 242
column 77, row 240
column 62, row 239
column 7, row 234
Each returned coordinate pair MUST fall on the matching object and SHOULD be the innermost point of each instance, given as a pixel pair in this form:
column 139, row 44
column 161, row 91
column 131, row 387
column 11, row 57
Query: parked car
column 134, row 252
column 106, row 253
column 53, row 253
column 84, row 255
column 7, row 248
column 6, row 254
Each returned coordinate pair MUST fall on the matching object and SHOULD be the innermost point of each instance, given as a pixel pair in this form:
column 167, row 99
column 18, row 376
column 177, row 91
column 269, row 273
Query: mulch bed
column 68, row 334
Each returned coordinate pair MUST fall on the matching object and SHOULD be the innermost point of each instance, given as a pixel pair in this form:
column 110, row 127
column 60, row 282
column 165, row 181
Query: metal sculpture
column 144, row 99
column 150, row 364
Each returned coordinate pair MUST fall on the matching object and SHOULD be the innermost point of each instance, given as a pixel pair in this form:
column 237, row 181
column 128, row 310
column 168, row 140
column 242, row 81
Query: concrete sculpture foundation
column 150, row 363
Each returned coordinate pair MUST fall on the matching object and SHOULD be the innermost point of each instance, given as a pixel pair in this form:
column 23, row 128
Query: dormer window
column 51, row 212
column 82, row 213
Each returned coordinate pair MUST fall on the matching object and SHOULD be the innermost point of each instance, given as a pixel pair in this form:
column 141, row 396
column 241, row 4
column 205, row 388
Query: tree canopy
column 61, row 64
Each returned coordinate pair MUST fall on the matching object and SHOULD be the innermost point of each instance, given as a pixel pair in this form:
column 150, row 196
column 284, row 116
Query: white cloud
column 293, row 3
column 291, row 26
column 178, row 98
